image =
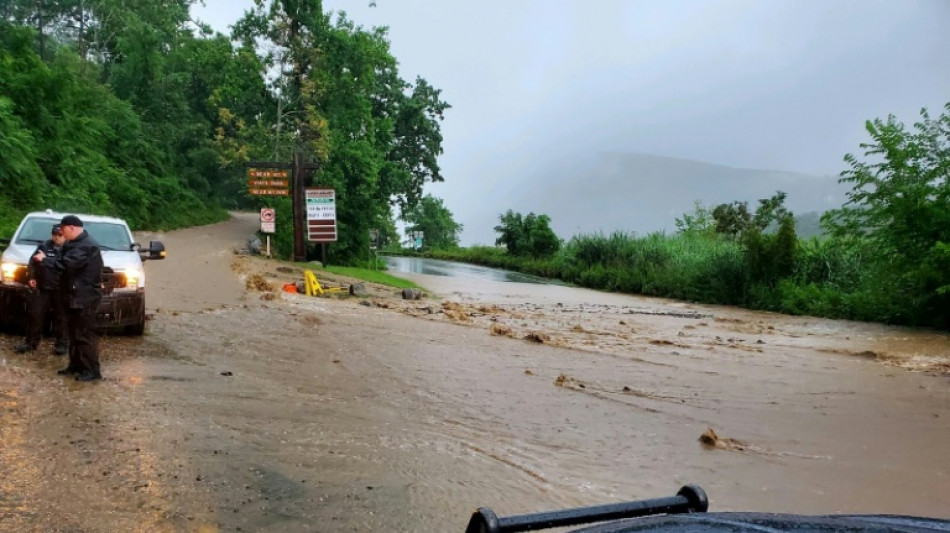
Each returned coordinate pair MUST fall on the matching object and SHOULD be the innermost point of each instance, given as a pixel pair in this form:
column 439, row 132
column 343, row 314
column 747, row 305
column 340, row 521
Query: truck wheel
column 137, row 329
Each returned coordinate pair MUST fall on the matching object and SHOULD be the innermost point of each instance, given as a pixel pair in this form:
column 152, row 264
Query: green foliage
column 732, row 219
column 941, row 257
column 440, row 231
column 688, row 266
column 900, row 207
column 735, row 219
column 372, row 276
column 71, row 145
column 699, row 221
column 21, row 178
column 340, row 100
column 529, row 236
column 886, row 257
column 771, row 258
column 124, row 107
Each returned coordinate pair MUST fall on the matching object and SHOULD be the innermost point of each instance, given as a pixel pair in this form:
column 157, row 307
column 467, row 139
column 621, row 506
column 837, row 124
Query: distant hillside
column 645, row 193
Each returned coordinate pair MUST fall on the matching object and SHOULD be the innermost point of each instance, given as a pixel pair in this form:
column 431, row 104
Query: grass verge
column 365, row 274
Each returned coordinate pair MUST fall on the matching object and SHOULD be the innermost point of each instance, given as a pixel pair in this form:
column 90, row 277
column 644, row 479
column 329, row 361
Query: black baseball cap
column 57, row 229
column 70, row 220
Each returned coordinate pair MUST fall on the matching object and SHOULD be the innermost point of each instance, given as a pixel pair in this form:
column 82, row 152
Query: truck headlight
column 132, row 277
column 10, row 271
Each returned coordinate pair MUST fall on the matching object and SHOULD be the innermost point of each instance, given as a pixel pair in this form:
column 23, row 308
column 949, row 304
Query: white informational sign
column 268, row 227
column 321, row 214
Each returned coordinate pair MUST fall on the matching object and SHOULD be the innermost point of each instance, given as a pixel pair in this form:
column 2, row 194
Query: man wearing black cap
column 45, row 297
column 80, row 265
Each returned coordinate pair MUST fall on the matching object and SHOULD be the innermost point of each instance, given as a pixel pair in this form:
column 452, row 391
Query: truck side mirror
column 156, row 250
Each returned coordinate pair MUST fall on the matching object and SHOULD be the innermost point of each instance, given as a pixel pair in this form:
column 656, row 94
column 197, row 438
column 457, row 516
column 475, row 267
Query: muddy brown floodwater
column 251, row 410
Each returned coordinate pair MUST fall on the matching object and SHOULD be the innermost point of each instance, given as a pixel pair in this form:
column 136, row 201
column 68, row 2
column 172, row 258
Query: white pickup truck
column 123, row 277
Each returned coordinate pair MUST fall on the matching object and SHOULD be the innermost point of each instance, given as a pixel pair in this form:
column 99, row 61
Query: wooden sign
column 269, row 192
column 280, row 174
column 280, row 184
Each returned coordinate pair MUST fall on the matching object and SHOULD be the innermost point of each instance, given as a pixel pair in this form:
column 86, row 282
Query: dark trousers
column 43, row 304
column 83, row 340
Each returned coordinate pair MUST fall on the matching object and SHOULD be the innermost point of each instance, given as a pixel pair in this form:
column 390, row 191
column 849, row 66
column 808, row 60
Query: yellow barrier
column 313, row 287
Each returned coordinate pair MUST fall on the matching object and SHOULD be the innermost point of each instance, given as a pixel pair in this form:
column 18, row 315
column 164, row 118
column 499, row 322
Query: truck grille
column 111, row 279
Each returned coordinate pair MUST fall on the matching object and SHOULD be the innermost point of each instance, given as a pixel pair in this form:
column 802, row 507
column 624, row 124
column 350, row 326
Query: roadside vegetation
column 132, row 108
column 883, row 257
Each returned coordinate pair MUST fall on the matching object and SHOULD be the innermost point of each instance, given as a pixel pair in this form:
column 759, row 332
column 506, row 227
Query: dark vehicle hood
column 768, row 522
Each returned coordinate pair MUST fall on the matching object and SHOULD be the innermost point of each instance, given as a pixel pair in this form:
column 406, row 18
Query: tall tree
column 529, row 235
column 900, row 205
column 340, row 97
column 735, row 219
column 434, row 220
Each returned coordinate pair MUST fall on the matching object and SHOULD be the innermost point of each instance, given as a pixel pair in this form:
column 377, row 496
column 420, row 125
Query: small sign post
column 416, row 238
column 373, row 246
column 268, row 224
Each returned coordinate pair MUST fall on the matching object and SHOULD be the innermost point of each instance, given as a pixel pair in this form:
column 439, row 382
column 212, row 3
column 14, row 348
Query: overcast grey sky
column 771, row 84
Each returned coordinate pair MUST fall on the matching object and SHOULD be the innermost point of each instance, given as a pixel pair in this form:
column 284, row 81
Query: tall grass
column 682, row 266
column 827, row 277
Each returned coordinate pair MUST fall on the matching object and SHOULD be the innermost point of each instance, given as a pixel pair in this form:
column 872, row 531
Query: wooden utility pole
column 300, row 209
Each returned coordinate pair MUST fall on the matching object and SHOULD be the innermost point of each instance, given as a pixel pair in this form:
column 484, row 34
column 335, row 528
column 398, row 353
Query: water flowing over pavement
column 264, row 411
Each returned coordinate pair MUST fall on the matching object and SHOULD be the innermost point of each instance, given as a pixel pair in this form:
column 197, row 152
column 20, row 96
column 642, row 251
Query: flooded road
column 243, row 410
column 435, row 267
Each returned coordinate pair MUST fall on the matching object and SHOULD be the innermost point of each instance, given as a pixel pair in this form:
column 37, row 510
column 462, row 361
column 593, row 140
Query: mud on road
column 243, row 410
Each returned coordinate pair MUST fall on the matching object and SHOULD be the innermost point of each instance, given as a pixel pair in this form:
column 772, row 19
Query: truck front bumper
column 116, row 310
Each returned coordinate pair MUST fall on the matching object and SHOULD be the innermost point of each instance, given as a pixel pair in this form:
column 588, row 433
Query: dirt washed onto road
column 243, row 410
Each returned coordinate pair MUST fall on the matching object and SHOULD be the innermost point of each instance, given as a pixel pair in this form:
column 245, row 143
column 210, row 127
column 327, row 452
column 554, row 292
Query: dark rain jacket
column 45, row 274
column 80, row 268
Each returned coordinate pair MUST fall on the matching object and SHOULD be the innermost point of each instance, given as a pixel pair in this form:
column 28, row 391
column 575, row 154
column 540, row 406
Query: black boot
column 89, row 375
column 62, row 347
column 67, row 371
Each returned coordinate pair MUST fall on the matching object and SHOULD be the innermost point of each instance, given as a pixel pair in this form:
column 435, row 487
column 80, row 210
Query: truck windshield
column 109, row 235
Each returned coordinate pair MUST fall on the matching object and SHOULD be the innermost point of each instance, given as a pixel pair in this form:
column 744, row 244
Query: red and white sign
column 321, row 215
column 268, row 220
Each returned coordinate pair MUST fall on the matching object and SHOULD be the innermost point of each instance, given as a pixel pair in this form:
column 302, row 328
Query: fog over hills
column 645, row 193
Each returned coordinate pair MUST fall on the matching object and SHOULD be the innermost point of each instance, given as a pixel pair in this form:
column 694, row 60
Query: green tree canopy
column 434, row 220
column 900, row 206
column 341, row 101
column 529, row 235
column 735, row 219
column 70, row 144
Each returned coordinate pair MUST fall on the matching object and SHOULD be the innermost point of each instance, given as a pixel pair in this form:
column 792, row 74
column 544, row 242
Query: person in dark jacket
column 45, row 298
column 80, row 268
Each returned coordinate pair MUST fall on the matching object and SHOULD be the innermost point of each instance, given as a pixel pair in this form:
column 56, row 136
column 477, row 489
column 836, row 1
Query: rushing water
column 434, row 267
